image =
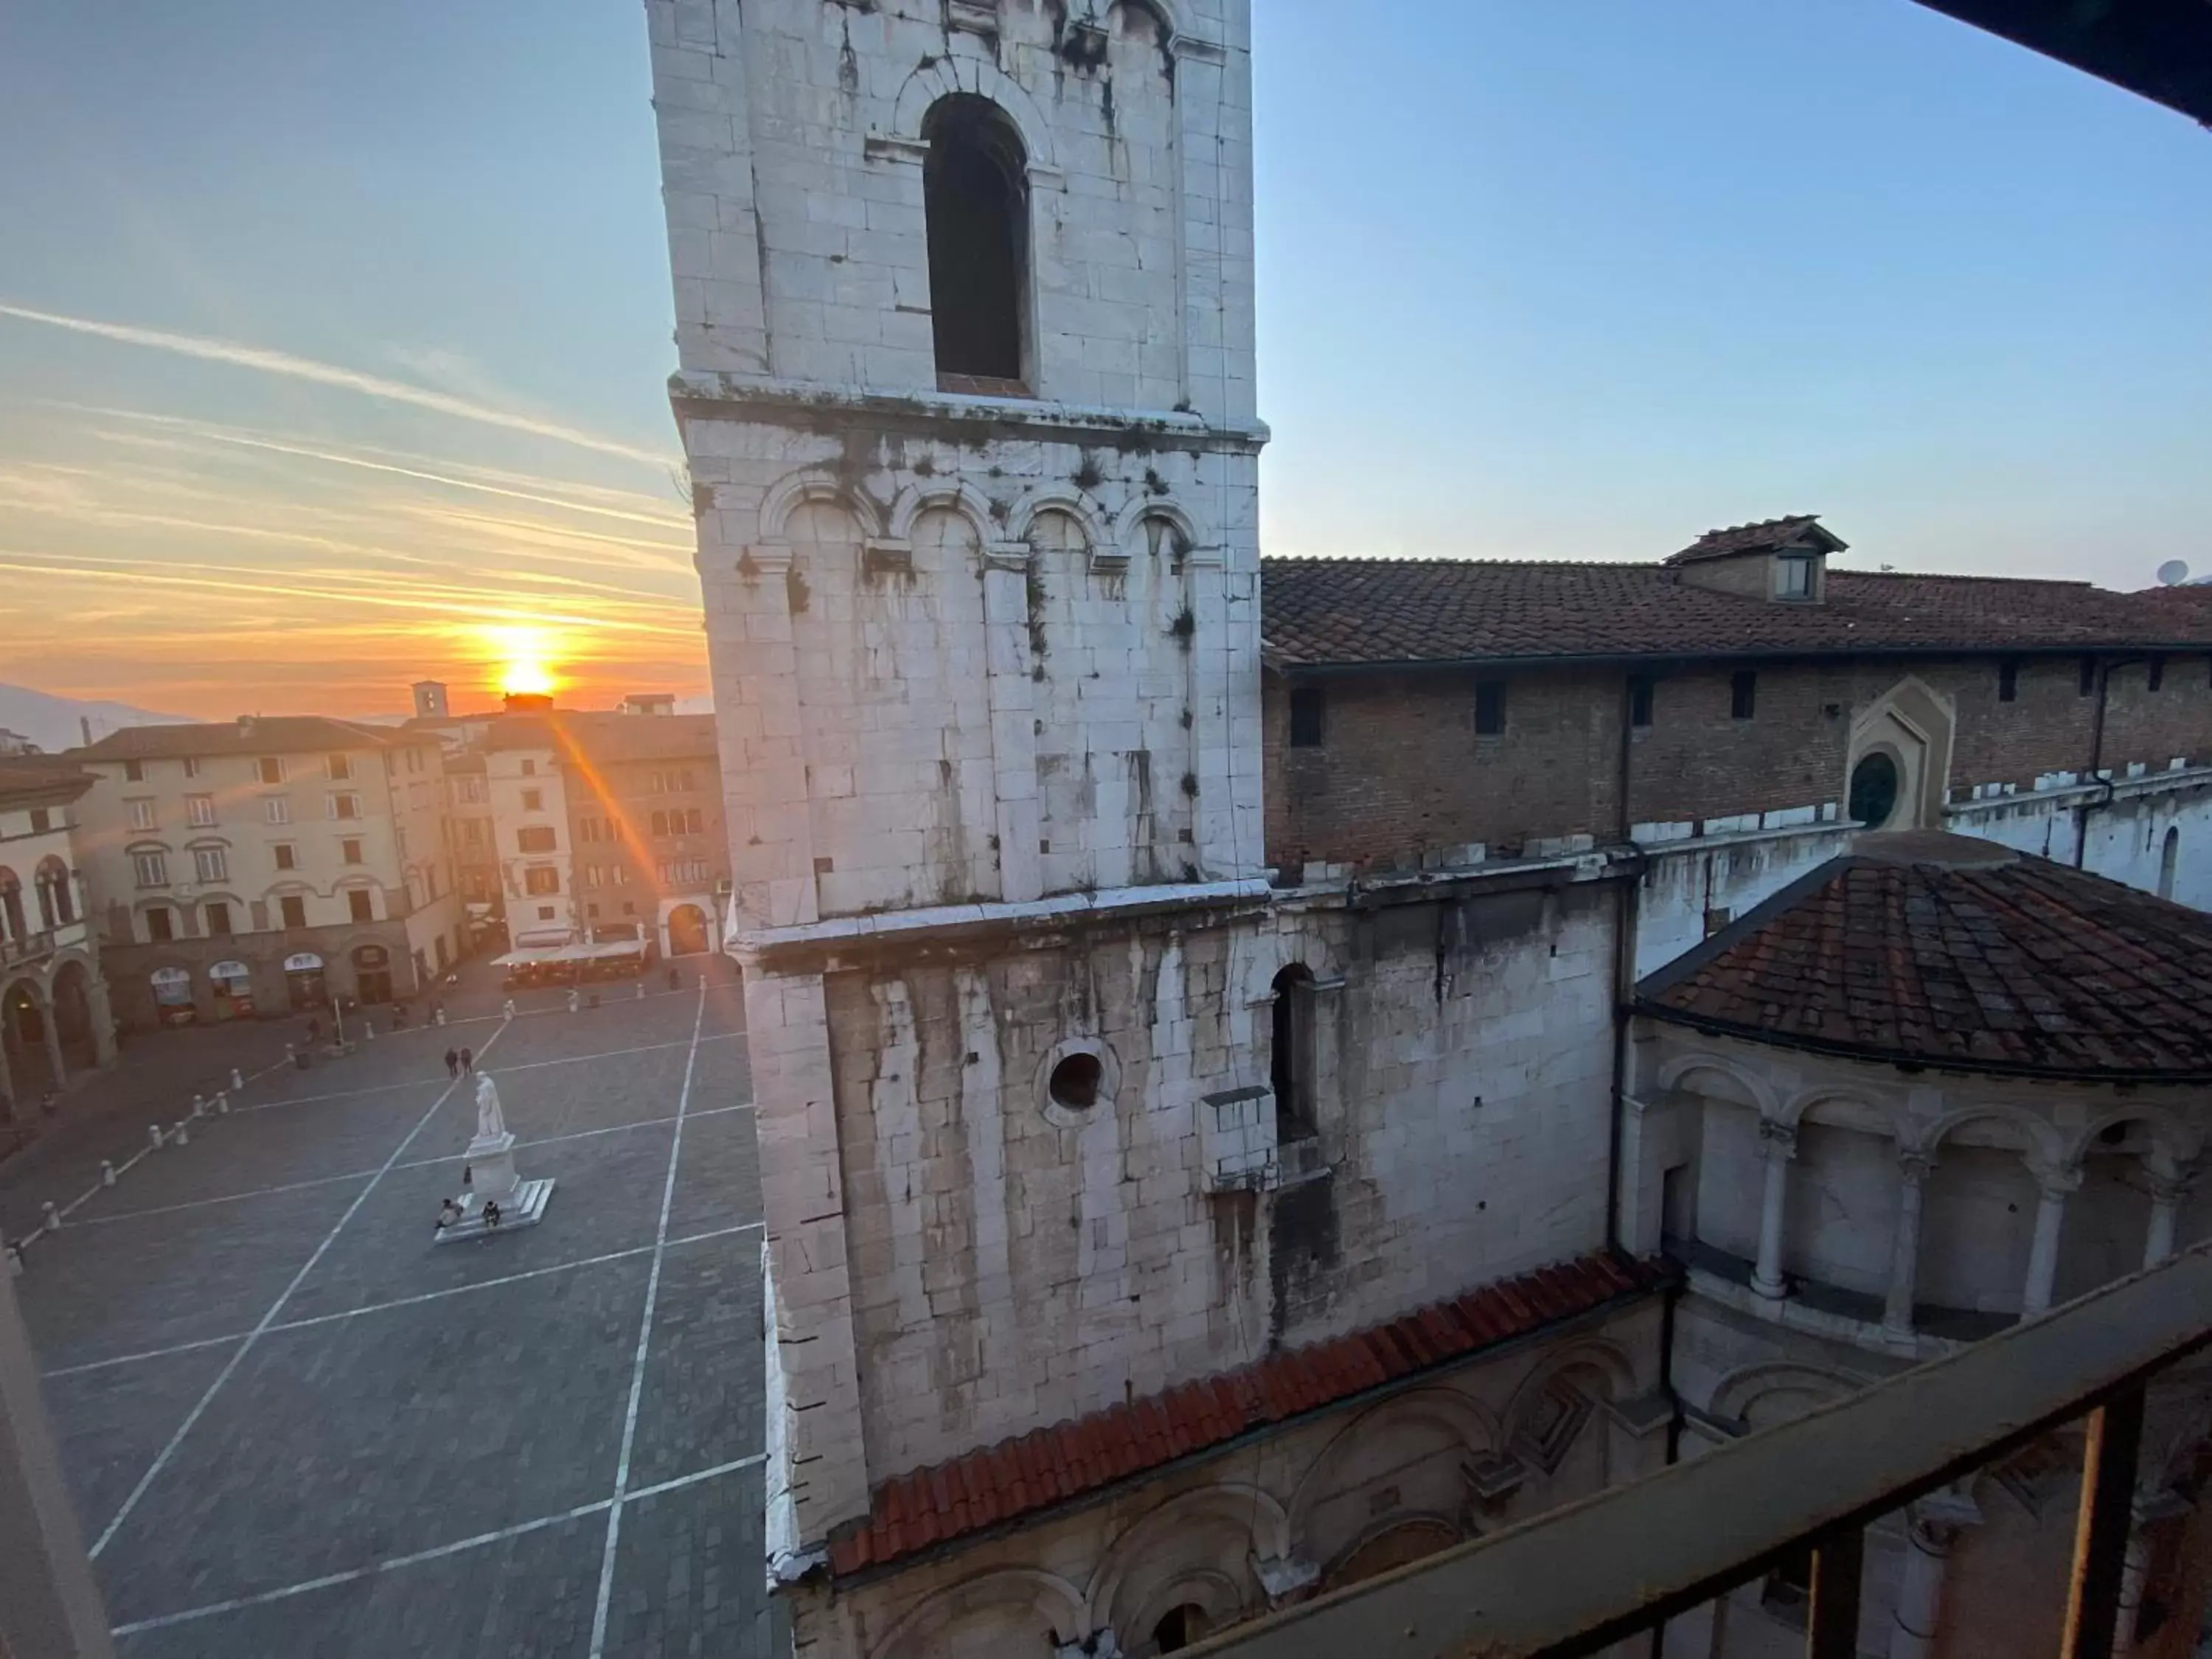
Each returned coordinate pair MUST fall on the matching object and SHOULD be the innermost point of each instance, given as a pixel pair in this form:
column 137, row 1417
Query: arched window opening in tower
column 975, row 203
column 1291, row 1064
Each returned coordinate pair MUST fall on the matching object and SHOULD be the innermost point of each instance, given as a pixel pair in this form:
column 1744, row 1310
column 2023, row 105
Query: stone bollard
column 238, row 1082
column 181, row 1136
column 368, row 1031
column 441, row 1017
column 641, row 990
column 575, row 999
column 53, row 1216
column 290, row 1053
column 222, row 1102
column 107, row 1172
column 507, row 1012
column 200, row 1106
column 14, row 1255
column 155, row 1130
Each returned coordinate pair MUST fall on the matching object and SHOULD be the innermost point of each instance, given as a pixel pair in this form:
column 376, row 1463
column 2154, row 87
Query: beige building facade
column 55, row 1020
column 269, row 865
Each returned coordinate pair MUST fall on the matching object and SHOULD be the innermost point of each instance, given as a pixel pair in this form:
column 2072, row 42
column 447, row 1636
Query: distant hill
column 52, row 722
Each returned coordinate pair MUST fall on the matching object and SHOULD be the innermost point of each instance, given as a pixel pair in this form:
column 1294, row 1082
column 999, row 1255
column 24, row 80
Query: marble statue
column 490, row 1124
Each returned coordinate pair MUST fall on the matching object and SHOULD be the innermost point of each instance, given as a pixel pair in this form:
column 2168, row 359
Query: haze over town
column 290, row 424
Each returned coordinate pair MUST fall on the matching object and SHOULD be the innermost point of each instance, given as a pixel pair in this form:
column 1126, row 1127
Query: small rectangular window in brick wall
column 1743, row 693
column 1643, row 694
column 1308, row 716
column 1489, row 708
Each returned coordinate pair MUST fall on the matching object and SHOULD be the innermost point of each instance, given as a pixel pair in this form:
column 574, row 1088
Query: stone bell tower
column 964, row 313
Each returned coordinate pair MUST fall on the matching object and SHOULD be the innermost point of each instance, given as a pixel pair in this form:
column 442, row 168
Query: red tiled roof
column 1049, row 1466
column 1767, row 536
column 1946, row 951
column 1341, row 612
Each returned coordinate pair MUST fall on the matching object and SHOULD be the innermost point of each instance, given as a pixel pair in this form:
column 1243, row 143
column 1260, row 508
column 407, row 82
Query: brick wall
column 1401, row 771
column 2155, row 727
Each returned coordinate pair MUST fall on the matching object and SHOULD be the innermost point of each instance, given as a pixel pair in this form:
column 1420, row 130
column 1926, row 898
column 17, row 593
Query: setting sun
column 522, row 655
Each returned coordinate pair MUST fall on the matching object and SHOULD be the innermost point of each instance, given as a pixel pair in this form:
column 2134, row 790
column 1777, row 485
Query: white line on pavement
column 411, row 1164
column 409, row 1301
column 328, row 1579
column 151, row 1353
column 230, row 1366
column 696, row 1477
column 437, row 1552
column 225, row 1198
column 527, row 1066
column 644, row 1342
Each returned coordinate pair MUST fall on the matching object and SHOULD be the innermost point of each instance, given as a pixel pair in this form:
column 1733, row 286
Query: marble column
column 2167, row 1188
column 1913, row 1169
column 1920, row 1588
column 53, row 1032
column 102, row 1014
column 1779, row 1146
column 2043, row 1252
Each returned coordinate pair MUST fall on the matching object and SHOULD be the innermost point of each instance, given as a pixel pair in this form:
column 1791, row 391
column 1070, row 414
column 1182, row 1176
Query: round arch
column 1393, row 1541
column 1859, row 1110
column 2043, row 1144
column 943, row 495
column 1078, row 505
column 1251, row 1512
column 938, row 78
column 1129, row 525
column 1740, row 1392
column 1051, row 1600
column 1458, row 1417
column 813, row 484
column 2172, row 1138
column 1676, row 1073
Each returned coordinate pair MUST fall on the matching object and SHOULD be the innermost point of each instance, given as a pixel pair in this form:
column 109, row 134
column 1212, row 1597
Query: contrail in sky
column 349, row 379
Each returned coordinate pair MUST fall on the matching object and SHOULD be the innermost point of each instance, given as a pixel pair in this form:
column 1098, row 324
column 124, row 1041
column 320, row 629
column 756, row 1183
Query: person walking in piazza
column 468, row 1062
column 452, row 1062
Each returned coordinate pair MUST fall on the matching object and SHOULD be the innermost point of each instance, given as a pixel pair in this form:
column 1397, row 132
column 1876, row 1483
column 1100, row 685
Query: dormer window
column 1780, row 559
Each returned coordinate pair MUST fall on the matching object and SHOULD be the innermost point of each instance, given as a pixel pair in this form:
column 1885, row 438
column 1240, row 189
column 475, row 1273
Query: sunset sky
column 333, row 338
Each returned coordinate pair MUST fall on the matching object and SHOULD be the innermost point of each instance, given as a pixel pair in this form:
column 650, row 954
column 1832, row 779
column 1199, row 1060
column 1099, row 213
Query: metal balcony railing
column 1621, row 1562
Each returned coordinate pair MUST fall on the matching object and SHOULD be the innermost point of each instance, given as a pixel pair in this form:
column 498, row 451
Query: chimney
column 84, row 729
column 245, row 724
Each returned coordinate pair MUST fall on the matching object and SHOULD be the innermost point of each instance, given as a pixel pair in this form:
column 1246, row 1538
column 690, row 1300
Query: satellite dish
column 2173, row 573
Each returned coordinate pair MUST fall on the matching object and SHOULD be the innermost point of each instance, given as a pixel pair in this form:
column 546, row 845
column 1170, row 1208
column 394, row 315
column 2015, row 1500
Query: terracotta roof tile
column 1943, row 949
column 1019, row 1476
column 1335, row 612
column 1767, row 536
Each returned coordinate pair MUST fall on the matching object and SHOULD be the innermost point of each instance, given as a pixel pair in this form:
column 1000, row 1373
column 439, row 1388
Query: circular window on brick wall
column 1873, row 789
column 1075, row 1079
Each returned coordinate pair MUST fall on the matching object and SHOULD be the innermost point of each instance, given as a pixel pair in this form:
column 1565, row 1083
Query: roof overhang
column 2160, row 50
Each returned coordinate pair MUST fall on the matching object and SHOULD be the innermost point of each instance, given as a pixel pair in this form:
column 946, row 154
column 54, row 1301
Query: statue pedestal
column 492, row 1180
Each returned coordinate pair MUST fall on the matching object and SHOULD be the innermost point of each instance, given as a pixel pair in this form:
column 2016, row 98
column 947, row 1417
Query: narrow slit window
column 1743, row 694
column 1308, row 716
column 2007, row 682
column 1642, row 695
column 974, row 185
column 1489, row 708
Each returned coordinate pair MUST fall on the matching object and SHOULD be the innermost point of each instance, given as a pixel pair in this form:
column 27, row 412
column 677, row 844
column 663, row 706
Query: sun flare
column 524, row 656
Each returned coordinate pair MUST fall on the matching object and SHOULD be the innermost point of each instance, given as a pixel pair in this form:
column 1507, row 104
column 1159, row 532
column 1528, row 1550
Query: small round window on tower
column 1075, row 1081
